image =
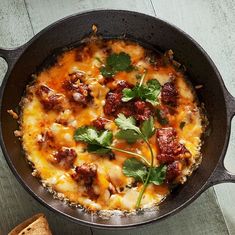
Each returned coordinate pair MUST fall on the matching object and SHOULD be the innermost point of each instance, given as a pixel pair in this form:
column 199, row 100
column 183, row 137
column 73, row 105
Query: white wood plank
column 15, row 27
column 42, row 13
column 212, row 24
column 13, row 21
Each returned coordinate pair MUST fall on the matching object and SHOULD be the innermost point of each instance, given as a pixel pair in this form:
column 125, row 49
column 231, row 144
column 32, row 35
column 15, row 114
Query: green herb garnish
column 150, row 175
column 128, row 127
column 158, row 175
column 147, row 92
column 116, row 63
column 127, row 123
column 135, row 168
column 100, row 142
column 162, row 119
column 147, row 127
column 138, row 76
column 182, row 124
column 97, row 141
column 139, row 171
column 99, row 60
column 129, row 135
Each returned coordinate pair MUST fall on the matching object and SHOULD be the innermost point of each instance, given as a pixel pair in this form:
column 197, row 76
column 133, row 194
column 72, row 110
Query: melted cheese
column 36, row 121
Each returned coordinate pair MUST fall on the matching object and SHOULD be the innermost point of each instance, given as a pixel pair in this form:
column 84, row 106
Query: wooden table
column 211, row 23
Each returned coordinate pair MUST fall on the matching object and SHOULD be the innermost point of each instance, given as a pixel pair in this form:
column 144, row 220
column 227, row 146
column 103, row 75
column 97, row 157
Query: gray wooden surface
column 211, row 23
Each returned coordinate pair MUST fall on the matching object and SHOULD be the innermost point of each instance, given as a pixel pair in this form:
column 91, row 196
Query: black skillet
column 148, row 30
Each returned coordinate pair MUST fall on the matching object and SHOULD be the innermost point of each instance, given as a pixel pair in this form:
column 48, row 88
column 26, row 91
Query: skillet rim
column 206, row 184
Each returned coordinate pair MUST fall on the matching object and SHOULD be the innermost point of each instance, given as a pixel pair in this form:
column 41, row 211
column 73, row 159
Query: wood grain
column 14, row 27
column 54, row 10
column 19, row 20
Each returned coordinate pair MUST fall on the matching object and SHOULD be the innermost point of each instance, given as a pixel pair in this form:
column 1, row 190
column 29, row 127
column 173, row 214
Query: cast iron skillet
column 151, row 31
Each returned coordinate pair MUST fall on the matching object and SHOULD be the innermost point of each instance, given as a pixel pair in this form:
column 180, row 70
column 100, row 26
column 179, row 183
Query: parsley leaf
column 182, row 124
column 130, row 132
column 94, row 148
column 147, row 128
column 116, row 63
column 158, row 175
column 162, row 119
column 86, row 134
column 105, row 138
column 97, row 141
column 100, row 142
column 134, row 168
column 148, row 92
column 106, row 72
column 127, row 123
column 120, row 62
column 129, row 94
column 129, row 135
column 152, row 91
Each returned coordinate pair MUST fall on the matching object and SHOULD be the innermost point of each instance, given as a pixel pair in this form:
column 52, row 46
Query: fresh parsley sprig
column 129, row 129
column 148, row 92
column 97, row 141
column 116, row 63
column 139, row 171
column 100, row 142
column 132, row 167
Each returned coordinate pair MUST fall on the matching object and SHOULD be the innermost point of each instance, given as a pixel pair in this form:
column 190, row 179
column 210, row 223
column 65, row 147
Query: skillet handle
column 4, row 54
column 11, row 56
column 230, row 103
column 221, row 174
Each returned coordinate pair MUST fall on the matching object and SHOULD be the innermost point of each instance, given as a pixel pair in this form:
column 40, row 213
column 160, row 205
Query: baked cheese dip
column 111, row 126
